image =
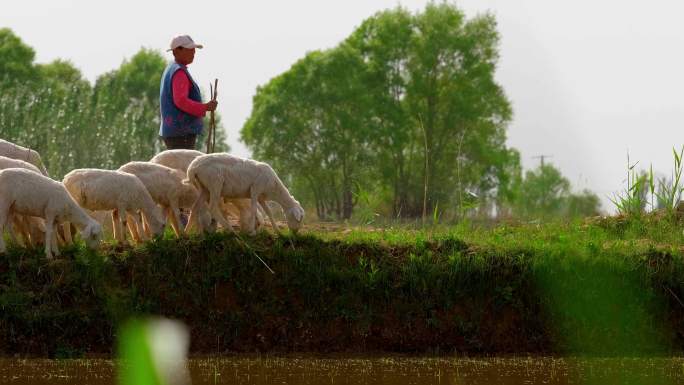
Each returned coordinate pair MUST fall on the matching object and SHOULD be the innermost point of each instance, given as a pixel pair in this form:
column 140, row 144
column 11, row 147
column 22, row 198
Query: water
column 378, row 370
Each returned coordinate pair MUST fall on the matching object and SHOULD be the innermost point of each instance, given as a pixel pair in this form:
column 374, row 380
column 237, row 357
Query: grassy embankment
column 609, row 287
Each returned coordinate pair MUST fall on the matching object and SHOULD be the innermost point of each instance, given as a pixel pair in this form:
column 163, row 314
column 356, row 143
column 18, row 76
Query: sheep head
column 92, row 234
column 155, row 221
column 295, row 217
column 206, row 222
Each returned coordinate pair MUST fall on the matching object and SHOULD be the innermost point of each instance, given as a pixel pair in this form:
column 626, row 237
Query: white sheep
column 167, row 188
column 14, row 151
column 224, row 175
column 7, row 162
column 26, row 193
column 180, row 160
column 30, row 228
column 121, row 192
column 176, row 159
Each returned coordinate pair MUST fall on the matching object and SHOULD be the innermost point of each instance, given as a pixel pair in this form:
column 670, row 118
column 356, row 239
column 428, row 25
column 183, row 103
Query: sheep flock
column 189, row 190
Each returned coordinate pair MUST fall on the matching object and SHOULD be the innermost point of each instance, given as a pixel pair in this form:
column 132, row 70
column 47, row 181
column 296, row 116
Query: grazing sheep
column 14, row 151
column 176, row 159
column 181, row 159
column 26, row 193
column 6, row 162
column 121, row 192
column 30, row 228
column 167, row 188
column 223, row 175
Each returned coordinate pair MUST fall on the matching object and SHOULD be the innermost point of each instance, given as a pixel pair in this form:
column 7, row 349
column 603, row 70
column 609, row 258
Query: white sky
column 589, row 80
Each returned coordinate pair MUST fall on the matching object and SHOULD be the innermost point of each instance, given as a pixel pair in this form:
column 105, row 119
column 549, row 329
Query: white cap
column 184, row 41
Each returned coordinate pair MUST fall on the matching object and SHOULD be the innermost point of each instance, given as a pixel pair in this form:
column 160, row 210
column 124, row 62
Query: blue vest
column 175, row 122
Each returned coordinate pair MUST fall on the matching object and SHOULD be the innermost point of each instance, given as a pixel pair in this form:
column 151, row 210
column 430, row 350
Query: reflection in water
column 387, row 370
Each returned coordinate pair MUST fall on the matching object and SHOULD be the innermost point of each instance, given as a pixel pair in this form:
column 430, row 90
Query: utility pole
column 541, row 158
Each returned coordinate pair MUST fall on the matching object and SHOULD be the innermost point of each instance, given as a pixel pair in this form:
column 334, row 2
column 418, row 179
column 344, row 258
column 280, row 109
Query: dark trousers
column 186, row 142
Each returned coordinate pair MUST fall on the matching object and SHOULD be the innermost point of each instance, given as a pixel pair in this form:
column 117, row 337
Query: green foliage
column 351, row 115
column 61, row 72
column 669, row 192
column 307, row 121
column 545, row 193
column 136, row 364
column 666, row 192
column 632, row 201
column 52, row 109
column 584, row 204
column 17, row 58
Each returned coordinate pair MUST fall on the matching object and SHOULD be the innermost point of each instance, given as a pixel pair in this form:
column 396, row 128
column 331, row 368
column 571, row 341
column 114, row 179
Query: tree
column 309, row 123
column 509, row 189
column 584, row 204
column 16, row 65
column 546, row 193
column 52, row 109
column 126, row 104
column 543, row 192
column 455, row 101
column 408, row 103
column 62, row 72
column 382, row 42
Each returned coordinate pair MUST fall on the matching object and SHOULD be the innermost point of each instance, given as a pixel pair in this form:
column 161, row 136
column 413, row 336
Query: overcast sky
column 589, row 80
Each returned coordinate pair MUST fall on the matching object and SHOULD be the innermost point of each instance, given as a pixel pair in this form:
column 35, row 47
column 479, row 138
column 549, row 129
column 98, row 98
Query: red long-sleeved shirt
column 180, row 85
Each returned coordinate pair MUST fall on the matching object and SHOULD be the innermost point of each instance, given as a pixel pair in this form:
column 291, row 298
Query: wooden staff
column 211, row 135
column 213, row 122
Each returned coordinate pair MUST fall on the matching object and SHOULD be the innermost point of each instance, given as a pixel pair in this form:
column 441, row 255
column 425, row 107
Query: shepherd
column 180, row 101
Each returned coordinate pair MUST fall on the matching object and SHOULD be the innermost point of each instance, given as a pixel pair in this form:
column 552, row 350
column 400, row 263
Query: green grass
column 606, row 286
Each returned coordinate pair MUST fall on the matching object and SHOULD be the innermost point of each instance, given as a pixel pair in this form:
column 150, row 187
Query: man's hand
column 211, row 106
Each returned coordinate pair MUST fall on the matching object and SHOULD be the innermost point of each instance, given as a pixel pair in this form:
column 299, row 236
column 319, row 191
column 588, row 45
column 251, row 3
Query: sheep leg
column 59, row 237
column 133, row 226
column 254, row 204
column 215, row 200
column 10, row 229
column 228, row 207
column 3, row 222
column 177, row 219
column 49, row 222
column 115, row 225
column 146, row 227
column 66, row 228
column 54, row 239
column 118, row 225
column 169, row 215
column 174, row 217
column 259, row 218
column 19, row 228
column 18, row 224
column 123, row 223
column 267, row 210
column 72, row 230
column 138, row 222
column 194, row 212
column 33, row 226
